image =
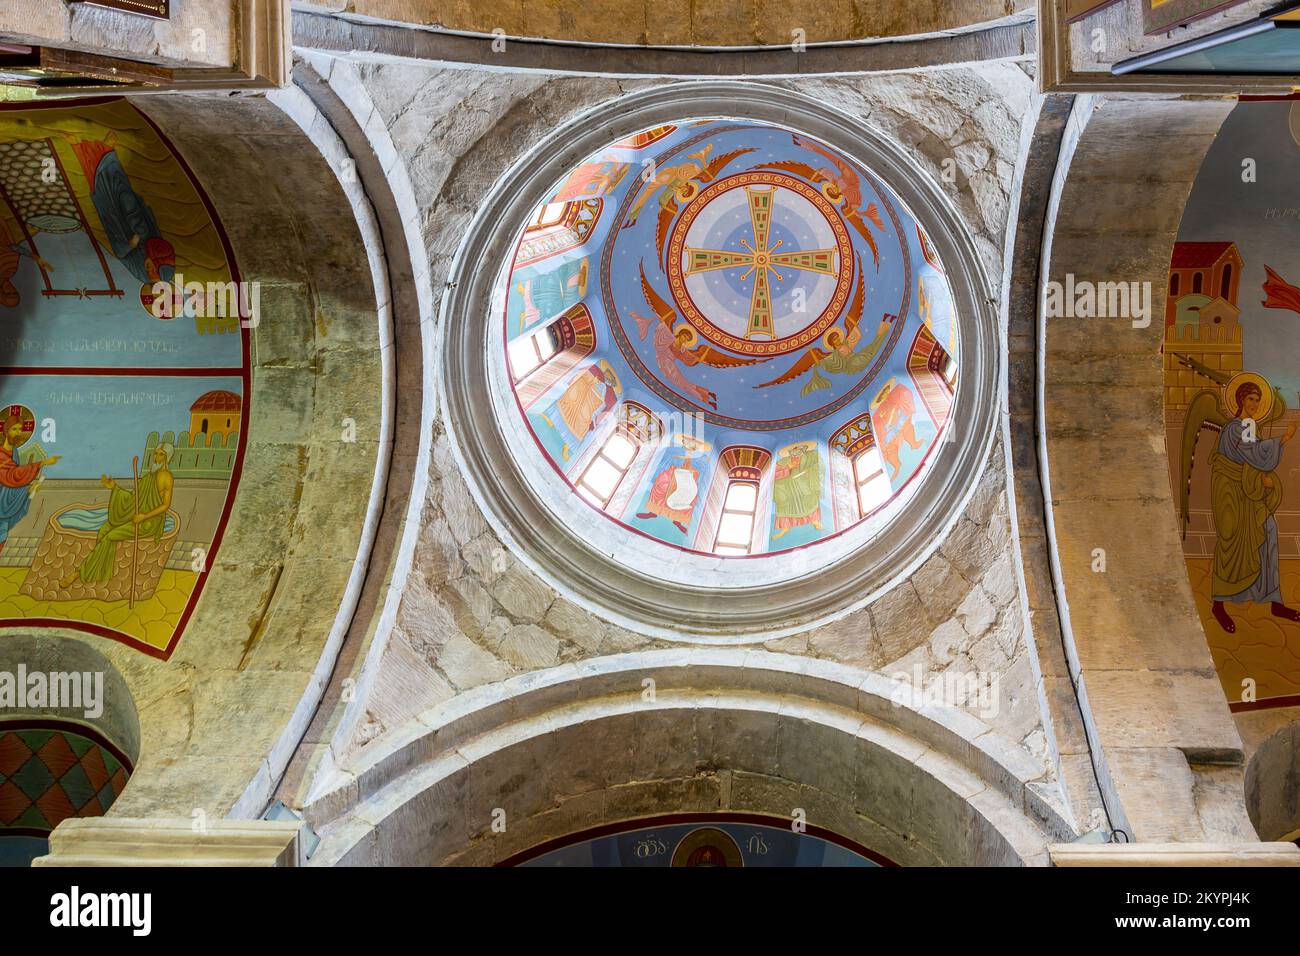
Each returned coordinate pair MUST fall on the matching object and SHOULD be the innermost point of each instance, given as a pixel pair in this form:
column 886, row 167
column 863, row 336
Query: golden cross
column 760, row 261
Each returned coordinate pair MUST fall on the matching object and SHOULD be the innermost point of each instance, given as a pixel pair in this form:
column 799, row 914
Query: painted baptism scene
column 730, row 337
column 123, row 422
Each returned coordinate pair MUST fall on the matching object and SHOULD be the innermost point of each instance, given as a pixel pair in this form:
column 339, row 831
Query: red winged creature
column 678, row 345
column 840, row 184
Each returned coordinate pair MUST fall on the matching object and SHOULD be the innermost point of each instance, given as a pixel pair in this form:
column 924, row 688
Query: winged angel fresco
column 679, row 184
column 842, row 185
column 842, row 356
column 678, row 345
column 1245, row 489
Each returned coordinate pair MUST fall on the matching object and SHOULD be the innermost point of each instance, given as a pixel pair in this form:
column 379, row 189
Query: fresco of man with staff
column 135, row 514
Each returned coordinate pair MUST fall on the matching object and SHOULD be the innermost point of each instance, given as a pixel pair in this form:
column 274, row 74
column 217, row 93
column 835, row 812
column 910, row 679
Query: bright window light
column 736, row 527
column 552, row 214
column 950, row 371
column 871, row 481
column 528, row 353
column 605, row 472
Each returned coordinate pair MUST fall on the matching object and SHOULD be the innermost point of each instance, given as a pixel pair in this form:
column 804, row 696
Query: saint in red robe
column 15, row 497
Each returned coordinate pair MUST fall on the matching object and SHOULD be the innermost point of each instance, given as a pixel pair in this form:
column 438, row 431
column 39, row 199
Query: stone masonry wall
column 724, row 23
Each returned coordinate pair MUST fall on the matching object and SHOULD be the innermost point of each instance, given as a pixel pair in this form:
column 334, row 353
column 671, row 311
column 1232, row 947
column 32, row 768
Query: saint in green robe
column 98, row 565
column 797, row 489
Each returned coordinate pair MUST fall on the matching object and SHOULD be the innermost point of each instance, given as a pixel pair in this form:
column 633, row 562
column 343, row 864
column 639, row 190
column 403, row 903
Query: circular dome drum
column 740, row 363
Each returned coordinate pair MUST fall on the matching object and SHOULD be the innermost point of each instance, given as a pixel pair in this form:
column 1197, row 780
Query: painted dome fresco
column 729, row 337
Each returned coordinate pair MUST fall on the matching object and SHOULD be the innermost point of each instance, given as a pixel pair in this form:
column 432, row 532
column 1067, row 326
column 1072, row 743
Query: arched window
column 935, row 373
column 1197, row 278
column 607, row 468
column 539, row 365
column 1225, row 285
column 739, row 514
column 551, row 214
column 646, row 431
column 556, row 228
column 1173, row 283
column 870, row 481
column 530, row 352
column 733, row 510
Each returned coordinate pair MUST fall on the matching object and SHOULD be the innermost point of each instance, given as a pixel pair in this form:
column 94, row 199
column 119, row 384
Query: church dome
column 721, row 354
column 217, row 400
column 730, row 337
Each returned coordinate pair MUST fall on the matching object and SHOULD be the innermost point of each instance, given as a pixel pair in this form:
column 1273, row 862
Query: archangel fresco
column 752, row 287
column 123, row 432
column 1232, row 369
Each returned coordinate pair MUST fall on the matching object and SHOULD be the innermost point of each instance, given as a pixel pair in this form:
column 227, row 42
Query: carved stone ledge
column 1174, row 854
column 103, row 841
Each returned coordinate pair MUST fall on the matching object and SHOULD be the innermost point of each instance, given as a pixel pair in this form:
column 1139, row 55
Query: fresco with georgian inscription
column 124, row 414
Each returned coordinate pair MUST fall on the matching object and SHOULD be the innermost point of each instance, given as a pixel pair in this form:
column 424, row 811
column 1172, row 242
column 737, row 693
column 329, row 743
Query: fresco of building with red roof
column 1202, row 318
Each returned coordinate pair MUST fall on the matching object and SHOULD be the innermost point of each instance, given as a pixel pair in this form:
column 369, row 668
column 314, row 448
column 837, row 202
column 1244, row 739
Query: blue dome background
column 611, row 250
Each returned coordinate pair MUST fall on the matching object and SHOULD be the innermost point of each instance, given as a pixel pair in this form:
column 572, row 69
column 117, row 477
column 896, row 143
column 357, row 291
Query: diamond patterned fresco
column 49, row 775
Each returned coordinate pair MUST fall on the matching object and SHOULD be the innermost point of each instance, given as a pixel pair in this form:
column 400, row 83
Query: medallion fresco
column 124, row 431
column 1232, row 370
column 750, row 292
column 702, row 841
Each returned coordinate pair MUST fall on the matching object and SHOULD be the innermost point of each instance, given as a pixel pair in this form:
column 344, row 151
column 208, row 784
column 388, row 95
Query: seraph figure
column 841, row 355
column 840, row 184
column 675, row 347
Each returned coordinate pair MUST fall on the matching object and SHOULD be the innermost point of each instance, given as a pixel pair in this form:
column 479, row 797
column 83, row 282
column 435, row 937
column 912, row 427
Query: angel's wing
column 806, row 363
column 662, row 310
column 1203, row 412
column 662, row 226
column 812, row 146
column 872, row 212
column 854, row 315
column 1278, row 409
column 711, row 356
column 1214, row 375
column 799, row 169
column 718, row 162
column 865, row 233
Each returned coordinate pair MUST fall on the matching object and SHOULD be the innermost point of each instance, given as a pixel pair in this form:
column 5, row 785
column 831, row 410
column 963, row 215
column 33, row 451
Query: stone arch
column 1166, row 753
column 60, row 756
column 621, row 737
column 327, row 100
column 290, row 571
column 733, row 26
column 468, row 612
